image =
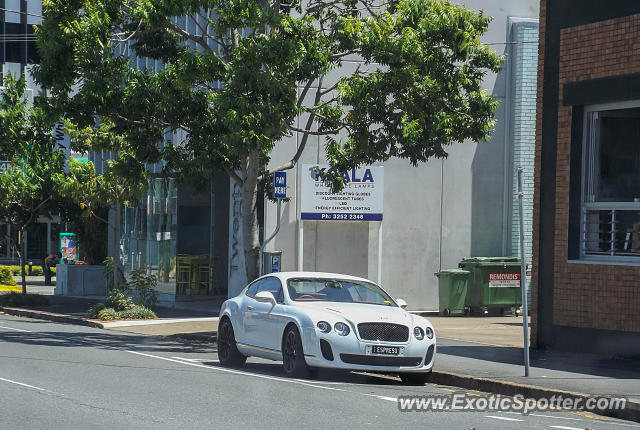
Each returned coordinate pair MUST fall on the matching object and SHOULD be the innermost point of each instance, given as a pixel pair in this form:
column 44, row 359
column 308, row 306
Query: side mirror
column 401, row 303
column 266, row 297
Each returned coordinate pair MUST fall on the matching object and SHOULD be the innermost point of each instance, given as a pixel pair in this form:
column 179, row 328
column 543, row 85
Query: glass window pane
column 613, row 156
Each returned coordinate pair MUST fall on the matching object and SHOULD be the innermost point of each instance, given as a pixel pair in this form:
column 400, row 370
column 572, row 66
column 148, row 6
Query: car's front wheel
column 228, row 353
column 415, row 378
column 293, row 361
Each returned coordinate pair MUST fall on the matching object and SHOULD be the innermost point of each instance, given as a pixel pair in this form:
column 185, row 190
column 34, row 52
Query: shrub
column 144, row 286
column 6, row 277
column 119, row 300
column 95, row 310
column 108, row 273
column 35, row 270
column 18, row 299
column 137, row 312
column 108, row 314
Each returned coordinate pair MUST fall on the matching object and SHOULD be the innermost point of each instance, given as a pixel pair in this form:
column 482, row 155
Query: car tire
column 293, row 362
column 415, row 378
column 228, row 353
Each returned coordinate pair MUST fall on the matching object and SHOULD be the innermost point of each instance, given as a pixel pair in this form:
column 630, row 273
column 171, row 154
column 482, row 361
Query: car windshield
column 337, row 290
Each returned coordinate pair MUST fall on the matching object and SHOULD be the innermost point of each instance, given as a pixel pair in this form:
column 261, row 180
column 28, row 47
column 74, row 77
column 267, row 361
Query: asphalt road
column 55, row 376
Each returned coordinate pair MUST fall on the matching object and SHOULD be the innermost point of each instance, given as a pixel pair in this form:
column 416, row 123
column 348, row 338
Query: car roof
column 284, row 276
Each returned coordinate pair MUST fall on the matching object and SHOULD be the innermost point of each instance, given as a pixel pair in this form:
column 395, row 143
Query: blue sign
column 280, row 185
column 275, row 263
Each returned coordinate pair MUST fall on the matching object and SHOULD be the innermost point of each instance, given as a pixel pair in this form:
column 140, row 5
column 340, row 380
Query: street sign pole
column 523, row 277
column 279, row 192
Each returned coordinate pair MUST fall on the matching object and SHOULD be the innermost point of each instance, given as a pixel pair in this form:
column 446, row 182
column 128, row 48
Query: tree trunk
column 250, row 166
column 22, row 261
column 116, row 242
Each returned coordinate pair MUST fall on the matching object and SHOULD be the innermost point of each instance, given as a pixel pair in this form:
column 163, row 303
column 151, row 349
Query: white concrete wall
column 434, row 214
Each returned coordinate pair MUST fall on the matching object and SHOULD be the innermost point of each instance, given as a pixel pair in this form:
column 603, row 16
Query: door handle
column 249, row 308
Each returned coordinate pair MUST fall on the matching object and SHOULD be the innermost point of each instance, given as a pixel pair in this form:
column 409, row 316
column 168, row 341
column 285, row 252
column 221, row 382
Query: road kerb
column 507, row 388
column 63, row 318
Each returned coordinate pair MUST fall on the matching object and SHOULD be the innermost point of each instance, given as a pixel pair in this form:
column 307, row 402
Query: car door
column 269, row 320
column 247, row 304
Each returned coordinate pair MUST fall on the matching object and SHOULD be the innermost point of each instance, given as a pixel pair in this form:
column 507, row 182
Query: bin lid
column 490, row 260
column 452, row 272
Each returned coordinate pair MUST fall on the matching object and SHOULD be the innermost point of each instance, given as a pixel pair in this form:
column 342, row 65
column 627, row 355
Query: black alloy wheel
column 293, row 361
column 228, row 353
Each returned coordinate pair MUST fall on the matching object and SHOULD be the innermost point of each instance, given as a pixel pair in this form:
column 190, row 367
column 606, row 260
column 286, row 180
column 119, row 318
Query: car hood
column 359, row 312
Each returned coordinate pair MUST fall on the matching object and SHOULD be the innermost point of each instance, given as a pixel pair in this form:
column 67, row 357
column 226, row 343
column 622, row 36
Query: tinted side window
column 272, row 285
column 254, row 288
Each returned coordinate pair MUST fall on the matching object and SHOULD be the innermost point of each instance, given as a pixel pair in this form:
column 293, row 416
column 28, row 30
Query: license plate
column 385, row 350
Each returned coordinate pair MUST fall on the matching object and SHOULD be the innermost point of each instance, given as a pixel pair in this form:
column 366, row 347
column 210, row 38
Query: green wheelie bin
column 452, row 288
column 494, row 284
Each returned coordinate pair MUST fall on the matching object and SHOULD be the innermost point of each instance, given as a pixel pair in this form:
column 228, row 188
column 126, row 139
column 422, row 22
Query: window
column 611, row 181
column 271, row 284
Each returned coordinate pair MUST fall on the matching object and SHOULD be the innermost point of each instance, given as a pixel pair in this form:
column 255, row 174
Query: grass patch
column 19, row 299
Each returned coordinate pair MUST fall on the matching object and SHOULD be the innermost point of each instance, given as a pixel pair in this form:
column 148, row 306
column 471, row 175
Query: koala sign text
column 360, row 199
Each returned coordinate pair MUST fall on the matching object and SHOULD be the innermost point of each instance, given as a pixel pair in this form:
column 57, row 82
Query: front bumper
column 351, row 353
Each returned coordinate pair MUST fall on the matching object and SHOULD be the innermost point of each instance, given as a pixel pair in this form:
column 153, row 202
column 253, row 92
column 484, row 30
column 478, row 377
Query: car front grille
column 376, row 360
column 386, row 332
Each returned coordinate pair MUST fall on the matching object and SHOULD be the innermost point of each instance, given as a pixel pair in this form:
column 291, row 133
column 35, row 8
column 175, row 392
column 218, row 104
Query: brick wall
column 598, row 296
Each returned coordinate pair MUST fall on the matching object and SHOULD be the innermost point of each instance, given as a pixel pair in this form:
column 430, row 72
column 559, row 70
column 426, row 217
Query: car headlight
column 342, row 329
column 418, row 333
column 429, row 332
column 324, row 326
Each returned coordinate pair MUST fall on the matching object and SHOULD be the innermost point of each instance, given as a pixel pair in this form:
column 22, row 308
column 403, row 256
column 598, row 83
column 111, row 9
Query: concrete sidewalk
column 478, row 353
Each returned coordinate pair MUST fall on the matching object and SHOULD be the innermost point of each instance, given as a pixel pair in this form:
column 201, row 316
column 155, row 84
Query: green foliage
column 119, row 303
column 119, row 300
column 35, row 270
column 108, row 314
column 6, row 277
column 224, row 98
column 95, row 310
column 137, row 312
column 18, row 299
column 109, row 270
column 144, row 287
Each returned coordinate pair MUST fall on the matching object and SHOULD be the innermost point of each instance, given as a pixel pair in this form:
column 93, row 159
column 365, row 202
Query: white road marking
column 565, row 428
column 503, row 418
column 272, row 378
column 197, row 360
column 16, row 329
column 26, row 385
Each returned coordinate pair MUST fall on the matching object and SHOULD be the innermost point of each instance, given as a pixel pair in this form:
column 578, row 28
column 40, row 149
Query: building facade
column 586, row 242
column 17, row 55
column 443, row 210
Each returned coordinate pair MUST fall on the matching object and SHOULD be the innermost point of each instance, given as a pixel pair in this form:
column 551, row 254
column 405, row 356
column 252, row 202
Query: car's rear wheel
column 293, row 361
column 415, row 378
column 228, row 353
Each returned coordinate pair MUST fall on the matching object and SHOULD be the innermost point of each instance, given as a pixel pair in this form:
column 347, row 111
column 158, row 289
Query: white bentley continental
column 310, row 319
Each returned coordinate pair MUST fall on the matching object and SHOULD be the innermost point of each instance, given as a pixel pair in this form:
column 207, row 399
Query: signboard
column 68, row 247
column 275, row 263
column 359, row 200
column 504, row 280
column 4, row 166
column 280, row 185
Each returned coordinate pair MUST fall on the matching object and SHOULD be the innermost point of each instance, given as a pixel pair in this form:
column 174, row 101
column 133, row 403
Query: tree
column 29, row 187
column 122, row 182
column 237, row 76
